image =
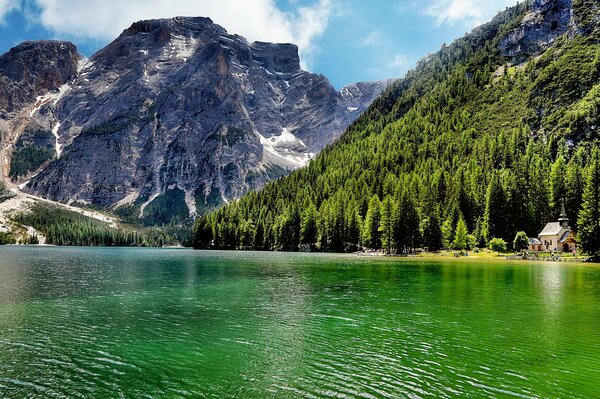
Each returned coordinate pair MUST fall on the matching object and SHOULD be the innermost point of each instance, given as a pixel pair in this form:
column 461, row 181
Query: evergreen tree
column 406, row 223
column 575, row 185
column 353, row 227
column 386, row 226
column 447, row 232
column 431, row 233
column 495, row 209
column 259, row 237
column 371, row 235
column 589, row 216
column 460, row 236
column 557, row 183
column 308, row 225
column 471, row 241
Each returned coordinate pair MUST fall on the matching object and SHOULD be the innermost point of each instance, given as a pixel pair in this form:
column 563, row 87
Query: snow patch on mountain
column 285, row 150
column 39, row 103
column 183, row 47
column 56, row 137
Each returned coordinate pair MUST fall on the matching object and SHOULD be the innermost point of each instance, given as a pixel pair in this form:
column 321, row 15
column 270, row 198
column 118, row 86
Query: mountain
column 27, row 73
column 173, row 118
column 490, row 134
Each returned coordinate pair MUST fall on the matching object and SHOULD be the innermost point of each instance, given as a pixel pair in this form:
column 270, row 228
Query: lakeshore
column 485, row 254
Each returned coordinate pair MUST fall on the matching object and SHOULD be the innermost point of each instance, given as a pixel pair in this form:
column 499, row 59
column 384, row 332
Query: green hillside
column 466, row 136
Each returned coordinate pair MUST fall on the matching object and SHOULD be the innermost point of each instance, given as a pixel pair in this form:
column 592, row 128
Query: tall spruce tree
column 431, row 233
column 371, row 235
column 589, row 216
column 386, row 228
column 460, row 237
column 495, row 210
column 557, row 183
column 308, row 225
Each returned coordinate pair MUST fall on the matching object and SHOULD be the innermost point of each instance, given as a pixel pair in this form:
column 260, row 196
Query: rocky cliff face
column 34, row 68
column 541, row 26
column 33, row 76
column 177, row 116
column 545, row 22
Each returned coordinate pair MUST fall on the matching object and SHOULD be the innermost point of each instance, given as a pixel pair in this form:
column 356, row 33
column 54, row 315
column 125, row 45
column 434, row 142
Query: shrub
column 521, row 241
column 498, row 245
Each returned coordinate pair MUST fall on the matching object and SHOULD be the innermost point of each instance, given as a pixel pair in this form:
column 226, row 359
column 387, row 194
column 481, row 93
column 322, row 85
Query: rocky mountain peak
column 187, row 34
column 33, row 68
column 281, row 58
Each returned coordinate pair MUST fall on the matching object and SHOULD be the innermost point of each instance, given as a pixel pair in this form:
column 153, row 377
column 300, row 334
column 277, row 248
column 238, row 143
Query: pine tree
column 353, row 227
column 431, row 233
column 460, row 237
column 410, row 221
column 447, row 233
column 495, row 212
column 371, row 236
column 386, row 225
column 574, row 191
column 589, row 216
column 308, row 225
column 557, row 184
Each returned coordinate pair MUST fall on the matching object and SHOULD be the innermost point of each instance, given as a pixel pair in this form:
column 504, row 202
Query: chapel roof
column 552, row 229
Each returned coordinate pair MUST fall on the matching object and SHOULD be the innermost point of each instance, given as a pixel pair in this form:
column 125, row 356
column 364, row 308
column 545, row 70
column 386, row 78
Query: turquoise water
column 141, row 323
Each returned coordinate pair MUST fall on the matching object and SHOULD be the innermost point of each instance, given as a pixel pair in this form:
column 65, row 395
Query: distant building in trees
column 556, row 236
column 535, row 244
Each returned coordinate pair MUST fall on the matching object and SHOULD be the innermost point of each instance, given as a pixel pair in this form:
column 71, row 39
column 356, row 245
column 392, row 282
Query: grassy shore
column 489, row 254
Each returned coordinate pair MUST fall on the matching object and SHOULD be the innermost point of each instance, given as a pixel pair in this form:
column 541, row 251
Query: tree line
column 465, row 151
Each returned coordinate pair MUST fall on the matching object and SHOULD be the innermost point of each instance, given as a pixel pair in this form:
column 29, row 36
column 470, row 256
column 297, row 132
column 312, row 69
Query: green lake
column 158, row 323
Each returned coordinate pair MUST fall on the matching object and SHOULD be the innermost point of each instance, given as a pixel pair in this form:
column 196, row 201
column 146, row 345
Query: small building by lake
column 556, row 236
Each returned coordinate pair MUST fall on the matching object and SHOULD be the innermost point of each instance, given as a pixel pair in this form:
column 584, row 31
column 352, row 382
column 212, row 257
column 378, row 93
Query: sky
column 345, row 40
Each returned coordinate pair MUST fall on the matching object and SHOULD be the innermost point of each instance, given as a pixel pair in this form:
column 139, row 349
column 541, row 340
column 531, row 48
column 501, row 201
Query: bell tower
column 563, row 219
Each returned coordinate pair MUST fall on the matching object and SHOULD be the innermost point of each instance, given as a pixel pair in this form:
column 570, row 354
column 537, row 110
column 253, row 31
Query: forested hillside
column 65, row 227
column 473, row 137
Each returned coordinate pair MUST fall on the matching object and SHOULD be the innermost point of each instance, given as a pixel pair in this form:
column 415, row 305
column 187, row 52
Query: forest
column 64, row 227
column 466, row 150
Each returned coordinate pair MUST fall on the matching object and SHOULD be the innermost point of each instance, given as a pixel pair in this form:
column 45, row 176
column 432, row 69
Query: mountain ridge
column 176, row 111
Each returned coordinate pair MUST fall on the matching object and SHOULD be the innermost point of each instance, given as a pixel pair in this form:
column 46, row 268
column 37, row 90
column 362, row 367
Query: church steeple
column 563, row 219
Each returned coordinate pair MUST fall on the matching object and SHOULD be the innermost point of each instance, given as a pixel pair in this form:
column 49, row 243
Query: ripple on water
column 135, row 323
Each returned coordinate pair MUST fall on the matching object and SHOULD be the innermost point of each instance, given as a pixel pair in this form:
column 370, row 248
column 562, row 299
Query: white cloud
column 7, row 6
column 253, row 19
column 469, row 12
column 373, row 38
column 395, row 67
column 399, row 62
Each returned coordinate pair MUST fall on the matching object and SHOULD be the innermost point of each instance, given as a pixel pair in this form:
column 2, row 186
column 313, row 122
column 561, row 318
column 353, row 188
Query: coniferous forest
column 65, row 227
column 468, row 149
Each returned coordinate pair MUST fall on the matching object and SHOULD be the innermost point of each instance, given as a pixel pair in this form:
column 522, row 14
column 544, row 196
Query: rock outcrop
column 541, row 26
column 546, row 21
column 33, row 76
column 32, row 69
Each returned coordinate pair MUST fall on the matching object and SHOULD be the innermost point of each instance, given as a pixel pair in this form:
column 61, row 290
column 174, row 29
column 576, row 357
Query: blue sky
column 346, row 40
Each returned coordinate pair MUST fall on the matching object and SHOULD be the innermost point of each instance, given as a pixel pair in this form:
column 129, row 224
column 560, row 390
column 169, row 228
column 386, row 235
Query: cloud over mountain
column 255, row 19
column 469, row 12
